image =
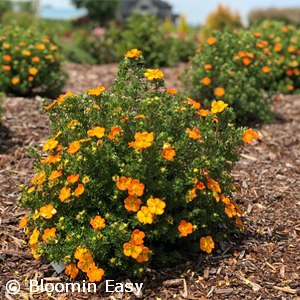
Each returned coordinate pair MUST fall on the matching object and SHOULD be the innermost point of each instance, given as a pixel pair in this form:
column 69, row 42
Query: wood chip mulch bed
column 263, row 264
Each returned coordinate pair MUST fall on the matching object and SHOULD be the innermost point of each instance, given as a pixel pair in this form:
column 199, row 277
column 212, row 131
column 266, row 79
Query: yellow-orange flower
column 142, row 140
column 156, row 206
column 172, row 91
column 193, row 103
column 133, row 250
column 230, row 210
column 55, row 174
column 137, row 237
column 207, row 244
column 97, row 132
column 193, row 134
column 218, row 106
column 145, row 216
column 132, row 203
column 39, row 178
column 246, row 61
column 15, row 80
column 7, row 58
column 65, row 194
column 192, row 194
column 47, row 211
column 50, row 145
column 35, row 59
column 185, row 228
column 95, row 274
column 82, row 253
column 6, row 68
column 168, row 153
column 153, row 74
column 33, row 71
column 208, row 67
column 219, row 92
column 73, row 147
column 72, row 271
column 266, row 69
column 23, row 222
column 49, row 233
column 114, row 132
column 123, row 183
column 79, row 190
column 40, row 47
column 144, row 255
column 98, row 223
column 206, row 81
column 133, row 53
column 211, row 41
column 73, row 178
column 97, row 91
column 277, row 47
column 136, row 188
column 34, row 238
column 86, row 264
column 203, row 112
column 249, row 135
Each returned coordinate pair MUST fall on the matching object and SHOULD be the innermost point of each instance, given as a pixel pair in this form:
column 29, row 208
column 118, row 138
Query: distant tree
column 98, row 10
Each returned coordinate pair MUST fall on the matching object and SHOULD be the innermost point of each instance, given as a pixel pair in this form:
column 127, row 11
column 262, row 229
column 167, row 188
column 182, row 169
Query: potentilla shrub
column 230, row 67
column 29, row 62
column 284, row 42
column 132, row 177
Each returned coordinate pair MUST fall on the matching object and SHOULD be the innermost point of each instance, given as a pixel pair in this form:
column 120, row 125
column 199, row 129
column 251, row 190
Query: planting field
column 262, row 263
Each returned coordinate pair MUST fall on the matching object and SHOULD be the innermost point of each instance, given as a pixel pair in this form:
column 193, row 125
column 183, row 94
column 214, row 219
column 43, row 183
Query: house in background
column 158, row 8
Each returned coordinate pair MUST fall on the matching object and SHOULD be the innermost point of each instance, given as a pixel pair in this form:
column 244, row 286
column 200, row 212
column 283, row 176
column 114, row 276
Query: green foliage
column 136, row 139
column 29, row 62
column 99, row 11
column 76, row 54
column 242, row 67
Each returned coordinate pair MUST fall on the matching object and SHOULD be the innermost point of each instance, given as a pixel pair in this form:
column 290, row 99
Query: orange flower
column 131, row 249
column 277, row 47
column 83, row 254
column 290, row 73
column 49, row 233
column 145, row 216
column 230, row 210
column 123, row 183
column 39, row 178
column 211, row 41
column 23, row 222
column 47, row 211
column 6, row 68
column 291, row 49
column 136, row 188
column 73, row 147
column 15, row 80
column 208, row 67
column 154, row 74
column 246, row 61
column 193, row 103
column 51, row 159
column 50, row 145
column 192, row 194
column 33, row 71
column 219, row 92
column 207, row 244
column 7, row 58
column 97, row 91
column 6, row 45
column 86, row 264
column 98, row 223
column 65, row 194
column 95, row 274
column 200, row 185
column 26, row 52
column 142, row 140
column 71, row 270
column 34, row 238
column 137, row 237
column 35, row 59
column 55, row 174
column 156, row 206
column 97, row 132
column 203, row 112
column 132, row 203
column 79, row 190
column 133, row 53
column 144, row 255
column 194, row 134
column 206, row 81
column 218, row 106
column 73, row 178
column 185, row 228
column 290, row 87
column 213, row 185
column 266, row 69
column 114, row 131
column 257, row 34
column 249, row 135
column 172, row 91
column 40, row 47
column 168, row 153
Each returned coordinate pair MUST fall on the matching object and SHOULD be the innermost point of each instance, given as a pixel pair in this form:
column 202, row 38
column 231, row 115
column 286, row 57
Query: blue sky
column 197, row 10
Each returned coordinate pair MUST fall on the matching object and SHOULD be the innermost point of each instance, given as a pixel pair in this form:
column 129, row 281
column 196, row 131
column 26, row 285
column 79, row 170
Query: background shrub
column 29, row 62
column 233, row 67
column 132, row 177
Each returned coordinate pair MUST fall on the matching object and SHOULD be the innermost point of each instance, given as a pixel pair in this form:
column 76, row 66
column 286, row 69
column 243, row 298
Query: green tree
column 99, row 11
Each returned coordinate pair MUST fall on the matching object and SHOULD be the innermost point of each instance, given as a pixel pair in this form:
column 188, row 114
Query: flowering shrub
column 29, row 61
column 132, row 177
column 232, row 68
column 284, row 42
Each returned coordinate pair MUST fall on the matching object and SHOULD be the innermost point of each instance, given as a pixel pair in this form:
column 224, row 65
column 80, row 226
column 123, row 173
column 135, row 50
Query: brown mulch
column 263, row 264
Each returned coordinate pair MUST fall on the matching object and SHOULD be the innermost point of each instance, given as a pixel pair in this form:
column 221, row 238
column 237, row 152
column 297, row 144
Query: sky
column 197, row 10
